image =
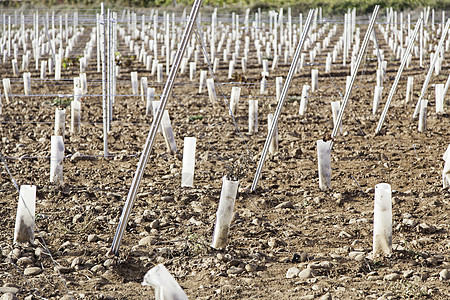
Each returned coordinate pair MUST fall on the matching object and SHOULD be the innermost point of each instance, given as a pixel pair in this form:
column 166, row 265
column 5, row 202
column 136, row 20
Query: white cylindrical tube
column 409, row 89
column 211, row 90
column 278, row 87
column 252, row 116
column 376, row 98
column 134, row 83
column 263, row 85
column 187, row 173
column 302, row 61
column 439, row 91
column 224, row 213
column 144, row 87
column 234, row 100
column 379, row 78
column 347, row 83
column 266, row 66
column 150, row 98
column 192, row 71
column 27, row 83
column 43, row 69
column 57, row 67
column 273, row 148
column 75, row 120
column 15, row 67
column 446, row 170
column 155, row 107
column 335, row 108
column 314, row 80
column 83, row 81
column 203, row 74
column 275, row 62
column 56, row 160
column 60, row 119
column 230, row 69
column 25, row 221
column 216, row 65
column 244, row 65
column 167, row 131
column 160, row 73
column 324, row 164
column 423, row 116
column 328, row 64
column 154, row 66
column 382, row 220
column 166, row 287
column 304, row 99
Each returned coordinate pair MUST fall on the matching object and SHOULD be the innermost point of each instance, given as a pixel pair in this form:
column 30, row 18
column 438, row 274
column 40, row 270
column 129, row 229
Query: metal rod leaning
column 153, row 130
column 430, row 70
column 104, row 89
column 282, row 99
column 352, row 79
column 397, row 77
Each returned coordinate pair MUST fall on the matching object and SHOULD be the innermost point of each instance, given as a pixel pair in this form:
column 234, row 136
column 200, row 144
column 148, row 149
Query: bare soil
column 331, row 232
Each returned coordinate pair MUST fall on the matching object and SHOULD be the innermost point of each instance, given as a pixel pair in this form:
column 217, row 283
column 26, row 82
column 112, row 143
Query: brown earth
column 331, row 232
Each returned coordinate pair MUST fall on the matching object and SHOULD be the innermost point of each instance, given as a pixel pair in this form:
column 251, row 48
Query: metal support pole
column 154, row 129
column 105, row 107
column 352, row 79
column 282, row 98
column 399, row 73
column 430, row 70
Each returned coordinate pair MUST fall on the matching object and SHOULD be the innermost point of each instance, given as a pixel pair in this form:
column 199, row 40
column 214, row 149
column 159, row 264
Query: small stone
column 354, row 254
column 16, row 253
column 392, row 277
column 32, row 271
column 154, row 224
column 148, row 240
column 235, row 270
column 109, row 262
column 408, row 273
column 409, row 222
column 344, row 234
column 370, row 190
column 306, row 273
column 38, row 252
column 77, row 261
column 326, row 296
column 221, row 257
column 251, row 267
column 75, row 156
column 8, row 296
column 444, row 274
column 92, row 238
column 24, row 261
column 287, row 204
column 167, row 198
column 98, row 269
column 77, row 218
column 9, row 290
column 292, row 272
column 424, row 227
column 273, row 242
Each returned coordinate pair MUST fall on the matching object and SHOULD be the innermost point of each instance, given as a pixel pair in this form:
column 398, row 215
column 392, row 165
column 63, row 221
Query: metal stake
column 352, row 79
column 153, row 130
column 399, row 73
column 430, row 70
column 282, row 98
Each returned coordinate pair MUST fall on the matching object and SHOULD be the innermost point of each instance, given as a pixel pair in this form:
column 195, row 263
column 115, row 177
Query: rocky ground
column 288, row 239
